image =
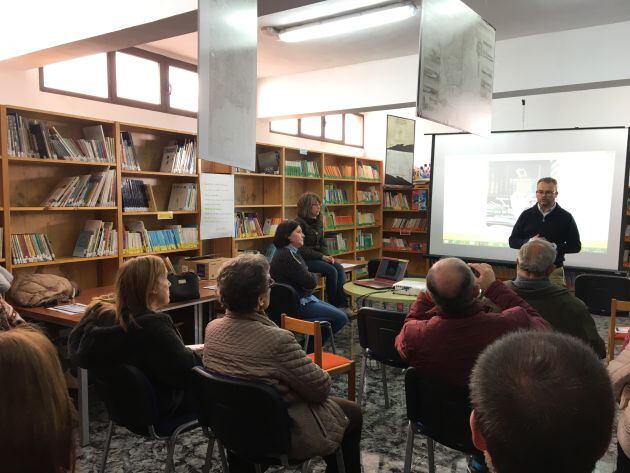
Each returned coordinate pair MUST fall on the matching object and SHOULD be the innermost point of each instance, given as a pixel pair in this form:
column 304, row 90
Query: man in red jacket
column 447, row 327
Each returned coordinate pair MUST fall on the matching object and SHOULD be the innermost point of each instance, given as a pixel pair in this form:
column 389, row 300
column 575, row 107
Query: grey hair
column 536, row 256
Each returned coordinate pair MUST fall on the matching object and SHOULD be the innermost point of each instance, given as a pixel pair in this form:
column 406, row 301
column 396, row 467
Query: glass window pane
column 184, row 89
column 333, row 127
column 311, row 126
column 354, row 129
column 137, row 78
column 288, row 125
column 85, row 75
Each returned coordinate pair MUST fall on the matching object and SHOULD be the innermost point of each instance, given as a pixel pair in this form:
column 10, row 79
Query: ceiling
column 511, row 18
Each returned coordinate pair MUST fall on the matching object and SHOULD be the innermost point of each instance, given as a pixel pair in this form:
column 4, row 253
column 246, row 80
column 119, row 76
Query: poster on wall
column 456, row 72
column 217, row 205
column 399, row 151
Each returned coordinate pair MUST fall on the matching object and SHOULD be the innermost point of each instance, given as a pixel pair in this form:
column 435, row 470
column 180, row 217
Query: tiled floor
column 383, row 443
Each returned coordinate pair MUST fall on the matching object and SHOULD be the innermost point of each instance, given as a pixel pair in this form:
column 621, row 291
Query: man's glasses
column 545, row 192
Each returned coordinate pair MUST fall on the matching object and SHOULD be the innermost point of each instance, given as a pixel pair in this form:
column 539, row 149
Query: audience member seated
column 288, row 267
column 447, row 327
column 36, row 413
column 128, row 328
column 542, row 402
column 619, row 370
column 565, row 312
column 315, row 251
column 247, row 344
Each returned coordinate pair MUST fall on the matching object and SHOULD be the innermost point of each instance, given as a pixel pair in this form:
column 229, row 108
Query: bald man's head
column 451, row 283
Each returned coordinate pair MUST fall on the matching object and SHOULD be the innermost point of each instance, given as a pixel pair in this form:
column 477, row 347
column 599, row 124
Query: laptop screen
column 391, row 269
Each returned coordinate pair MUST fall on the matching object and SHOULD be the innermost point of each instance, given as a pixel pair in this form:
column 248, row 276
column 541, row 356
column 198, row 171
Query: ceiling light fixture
column 346, row 23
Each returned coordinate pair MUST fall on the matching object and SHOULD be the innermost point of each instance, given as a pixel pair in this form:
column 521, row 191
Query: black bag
column 184, row 286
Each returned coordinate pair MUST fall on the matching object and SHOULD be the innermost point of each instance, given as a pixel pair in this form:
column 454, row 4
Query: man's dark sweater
column 557, row 227
column 565, row 312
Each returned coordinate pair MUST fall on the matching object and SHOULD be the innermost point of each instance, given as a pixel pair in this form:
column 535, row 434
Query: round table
column 379, row 299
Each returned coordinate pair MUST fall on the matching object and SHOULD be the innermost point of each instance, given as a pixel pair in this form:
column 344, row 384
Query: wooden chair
column 615, row 338
column 331, row 363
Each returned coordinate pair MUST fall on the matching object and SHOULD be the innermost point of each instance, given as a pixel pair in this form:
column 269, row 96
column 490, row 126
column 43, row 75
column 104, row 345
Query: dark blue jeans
column 320, row 310
column 335, row 279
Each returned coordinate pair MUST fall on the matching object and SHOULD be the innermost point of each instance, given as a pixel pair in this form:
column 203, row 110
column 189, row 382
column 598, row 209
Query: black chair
column 285, row 300
column 598, row 290
column 439, row 412
column 377, row 332
column 131, row 402
column 247, row 417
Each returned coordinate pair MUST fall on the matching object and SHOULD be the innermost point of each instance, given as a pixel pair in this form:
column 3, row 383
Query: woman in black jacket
column 128, row 328
column 315, row 252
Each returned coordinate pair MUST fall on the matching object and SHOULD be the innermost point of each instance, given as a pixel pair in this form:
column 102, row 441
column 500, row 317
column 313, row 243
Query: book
column 268, row 162
column 169, row 156
column 419, row 199
column 183, row 197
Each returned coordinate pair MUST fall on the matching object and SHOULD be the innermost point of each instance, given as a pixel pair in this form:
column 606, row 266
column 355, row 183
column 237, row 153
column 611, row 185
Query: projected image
column 512, row 188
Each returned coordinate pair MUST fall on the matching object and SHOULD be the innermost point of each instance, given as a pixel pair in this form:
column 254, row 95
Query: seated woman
column 37, row 413
column 288, row 267
column 247, row 344
column 619, row 371
column 128, row 328
column 315, row 252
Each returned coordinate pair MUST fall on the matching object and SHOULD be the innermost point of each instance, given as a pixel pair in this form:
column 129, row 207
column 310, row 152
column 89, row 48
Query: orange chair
column 615, row 338
column 331, row 363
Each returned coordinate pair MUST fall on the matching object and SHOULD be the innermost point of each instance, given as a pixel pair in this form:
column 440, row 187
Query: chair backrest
column 615, row 306
column 249, row 417
column 305, row 327
column 372, row 267
column 597, row 290
column 441, row 412
column 283, row 299
column 377, row 332
column 129, row 397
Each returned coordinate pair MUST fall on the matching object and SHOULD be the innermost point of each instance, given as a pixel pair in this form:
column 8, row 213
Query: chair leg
column 224, row 463
column 341, row 466
column 362, row 384
column 431, row 454
column 384, row 378
column 411, row 432
column 352, row 383
column 208, row 462
column 170, row 451
column 108, row 440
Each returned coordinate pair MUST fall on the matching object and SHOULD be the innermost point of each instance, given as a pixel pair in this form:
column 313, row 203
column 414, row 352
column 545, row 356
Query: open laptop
column 390, row 271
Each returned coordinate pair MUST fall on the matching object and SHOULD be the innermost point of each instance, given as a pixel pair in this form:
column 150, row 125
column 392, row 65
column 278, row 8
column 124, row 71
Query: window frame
column 322, row 137
column 163, row 61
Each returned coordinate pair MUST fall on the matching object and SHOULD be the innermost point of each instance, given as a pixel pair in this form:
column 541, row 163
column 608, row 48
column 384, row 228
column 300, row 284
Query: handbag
column 184, row 286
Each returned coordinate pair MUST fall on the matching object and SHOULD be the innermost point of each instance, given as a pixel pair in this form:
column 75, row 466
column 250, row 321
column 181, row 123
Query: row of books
column 137, row 239
column 396, row 201
column 366, row 218
column 183, row 197
column 246, row 225
column 332, row 220
column 341, row 171
column 97, row 238
column 370, row 196
column 89, row 190
column 365, row 240
column 336, row 243
column 419, row 199
column 31, row 248
column 180, row 158
column 334, row 195
column 302, row 168
column 31, row 138
column 417, row 224
column 138, row 196
column 368, row 171
column 129, row 161
column 402, row 244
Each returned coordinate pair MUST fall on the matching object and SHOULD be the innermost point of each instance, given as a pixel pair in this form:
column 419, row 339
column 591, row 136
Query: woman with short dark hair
column 247, row 344
column 288, row 267
column 315, row 251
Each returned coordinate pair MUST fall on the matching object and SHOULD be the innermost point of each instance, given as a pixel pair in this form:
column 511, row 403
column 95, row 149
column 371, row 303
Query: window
column 85, row 75
column 132, row 77
column 341, row 128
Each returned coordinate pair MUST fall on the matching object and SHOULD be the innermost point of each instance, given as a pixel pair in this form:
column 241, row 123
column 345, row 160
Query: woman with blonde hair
column 36, row 413
column 129, row 328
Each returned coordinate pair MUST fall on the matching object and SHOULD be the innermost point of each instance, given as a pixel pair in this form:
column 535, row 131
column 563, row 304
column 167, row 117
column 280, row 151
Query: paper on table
column 71, row 309
column 347, row 265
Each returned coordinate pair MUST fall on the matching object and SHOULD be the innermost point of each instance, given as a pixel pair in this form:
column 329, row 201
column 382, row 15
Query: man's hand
column 328, row 259
column 537, row 237
column 485, row 275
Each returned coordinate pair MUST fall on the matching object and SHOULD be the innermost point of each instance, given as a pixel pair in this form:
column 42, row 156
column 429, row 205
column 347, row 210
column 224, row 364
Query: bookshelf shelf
column 339, row 179
column 174, row 212
column 164, row 252
column 259, row 206
column 3, row 260
column 58, row 162
column 403, row 250
column 313, row 178
column 403, row 211
column 339, row 229
column 366, row 204
column 257, row 174
column 372, row 225
column 263, row 237
column 60, row 209
column 64, row 260
column 158, row 174
column 331, row 204
column 363, row 250
column 403, row 231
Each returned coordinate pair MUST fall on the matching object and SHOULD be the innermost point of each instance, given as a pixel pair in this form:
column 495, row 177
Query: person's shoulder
column 154, row 319
column 561, row 211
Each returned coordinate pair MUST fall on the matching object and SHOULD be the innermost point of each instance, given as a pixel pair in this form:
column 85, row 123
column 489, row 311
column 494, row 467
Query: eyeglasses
column 546, row 192
column 270, row 282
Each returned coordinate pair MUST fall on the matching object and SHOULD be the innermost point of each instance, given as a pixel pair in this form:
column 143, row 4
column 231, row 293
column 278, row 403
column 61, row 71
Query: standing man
column 548, row 221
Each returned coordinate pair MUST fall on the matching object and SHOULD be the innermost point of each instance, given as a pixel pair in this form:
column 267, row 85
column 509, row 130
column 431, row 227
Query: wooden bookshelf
column 270, row 195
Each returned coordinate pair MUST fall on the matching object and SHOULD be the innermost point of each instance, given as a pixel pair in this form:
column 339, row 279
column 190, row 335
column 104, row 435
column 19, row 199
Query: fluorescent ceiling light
column 347, row 23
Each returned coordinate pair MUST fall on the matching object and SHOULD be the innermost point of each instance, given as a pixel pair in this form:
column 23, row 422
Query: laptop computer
column 390, row 271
